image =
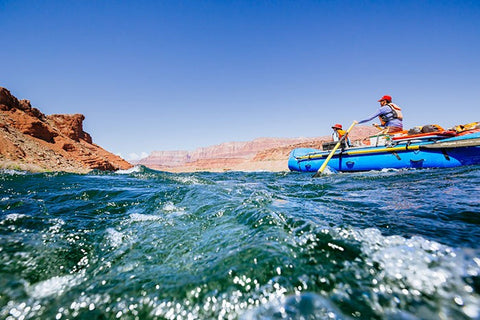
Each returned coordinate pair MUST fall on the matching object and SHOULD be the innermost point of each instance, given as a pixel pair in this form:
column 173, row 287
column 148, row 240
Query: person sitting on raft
column 390, row 115
column 338, row 133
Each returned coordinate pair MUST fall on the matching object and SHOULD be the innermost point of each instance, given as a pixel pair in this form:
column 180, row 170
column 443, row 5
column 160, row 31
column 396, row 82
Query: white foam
column 115, row 237
column 173, row 210
column 138, row 217
column 299, row 306
column 329, row 170
column 169, row 207
column 57, row 226
column 187, row 179
column 169, row 210
column 420, row 267
column 53, row 286
column 390, row 170
column 131, row 170
column 12, row 172
column 14, row 217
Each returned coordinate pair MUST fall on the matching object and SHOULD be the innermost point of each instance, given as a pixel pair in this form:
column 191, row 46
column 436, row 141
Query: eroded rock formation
column 30, row 140
column 269, row 154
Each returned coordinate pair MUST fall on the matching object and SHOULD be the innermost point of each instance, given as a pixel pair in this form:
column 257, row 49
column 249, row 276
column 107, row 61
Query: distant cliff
column 269, row 154
column 30, row 140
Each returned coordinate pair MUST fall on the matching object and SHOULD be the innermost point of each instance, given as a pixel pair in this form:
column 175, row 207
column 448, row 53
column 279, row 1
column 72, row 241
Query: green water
column 144, row 244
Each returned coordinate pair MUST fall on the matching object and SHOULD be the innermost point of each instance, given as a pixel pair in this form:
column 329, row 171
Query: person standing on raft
column 390, row 116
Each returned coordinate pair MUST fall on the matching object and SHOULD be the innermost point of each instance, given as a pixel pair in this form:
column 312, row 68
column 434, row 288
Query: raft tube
column 445, row 153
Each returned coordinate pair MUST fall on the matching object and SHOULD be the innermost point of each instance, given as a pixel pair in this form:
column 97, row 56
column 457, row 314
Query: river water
column 144, row 244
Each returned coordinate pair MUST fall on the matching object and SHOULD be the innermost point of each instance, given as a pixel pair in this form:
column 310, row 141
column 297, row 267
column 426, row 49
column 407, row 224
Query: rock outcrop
column 268, row 154
column 30, row 140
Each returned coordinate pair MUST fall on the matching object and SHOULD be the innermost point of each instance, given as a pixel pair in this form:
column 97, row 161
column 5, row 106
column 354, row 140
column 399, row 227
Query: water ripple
column 143, row 244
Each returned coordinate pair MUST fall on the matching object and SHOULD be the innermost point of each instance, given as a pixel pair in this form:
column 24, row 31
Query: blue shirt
column 381, row 111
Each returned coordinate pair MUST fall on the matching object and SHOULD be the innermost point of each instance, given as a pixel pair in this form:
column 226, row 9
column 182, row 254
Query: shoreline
column 266, row 166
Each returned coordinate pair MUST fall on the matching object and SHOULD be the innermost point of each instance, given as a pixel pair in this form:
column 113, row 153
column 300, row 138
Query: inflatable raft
column 438, row 149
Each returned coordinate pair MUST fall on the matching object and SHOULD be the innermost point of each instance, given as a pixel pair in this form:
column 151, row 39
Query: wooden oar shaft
column 324, row 165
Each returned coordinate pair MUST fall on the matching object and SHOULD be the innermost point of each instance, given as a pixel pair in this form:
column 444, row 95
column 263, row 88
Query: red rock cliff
column 30, row 140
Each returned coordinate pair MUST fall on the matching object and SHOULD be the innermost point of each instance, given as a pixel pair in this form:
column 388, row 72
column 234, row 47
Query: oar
column 382, row 130
column 324, row 165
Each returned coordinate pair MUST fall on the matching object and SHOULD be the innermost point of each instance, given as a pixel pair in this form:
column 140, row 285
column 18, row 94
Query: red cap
column 337, row 126
column 388, row 98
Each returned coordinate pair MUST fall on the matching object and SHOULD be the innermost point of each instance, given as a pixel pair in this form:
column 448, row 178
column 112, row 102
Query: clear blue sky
column 177, row 75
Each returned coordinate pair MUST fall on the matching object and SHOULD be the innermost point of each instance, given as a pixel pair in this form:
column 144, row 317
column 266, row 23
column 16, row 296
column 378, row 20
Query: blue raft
column 435, row 152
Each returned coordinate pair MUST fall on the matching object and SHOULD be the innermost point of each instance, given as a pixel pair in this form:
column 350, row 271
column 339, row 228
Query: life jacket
column 466, row 127
column 395, row 113
column 339, row 133
column 397, row 109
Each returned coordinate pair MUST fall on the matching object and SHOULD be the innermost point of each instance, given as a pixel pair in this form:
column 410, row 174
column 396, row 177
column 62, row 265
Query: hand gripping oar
column 324, row 165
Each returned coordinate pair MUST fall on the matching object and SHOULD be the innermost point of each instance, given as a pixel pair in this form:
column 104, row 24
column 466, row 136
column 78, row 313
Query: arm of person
column 371, row 117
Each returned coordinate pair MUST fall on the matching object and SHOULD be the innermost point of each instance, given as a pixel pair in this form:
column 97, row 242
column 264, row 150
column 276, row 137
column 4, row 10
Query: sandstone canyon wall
column 267, row 154
column 32, row 141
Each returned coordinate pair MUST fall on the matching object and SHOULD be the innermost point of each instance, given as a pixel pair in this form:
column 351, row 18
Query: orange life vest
column 341, row 133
